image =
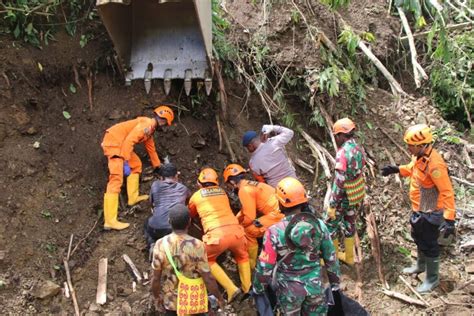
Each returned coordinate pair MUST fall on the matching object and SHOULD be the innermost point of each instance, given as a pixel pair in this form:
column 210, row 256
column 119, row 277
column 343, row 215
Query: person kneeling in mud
column 292, row 248
column 165, row 193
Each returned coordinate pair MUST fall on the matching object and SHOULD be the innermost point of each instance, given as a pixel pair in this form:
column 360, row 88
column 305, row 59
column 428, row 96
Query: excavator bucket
column 161, row 39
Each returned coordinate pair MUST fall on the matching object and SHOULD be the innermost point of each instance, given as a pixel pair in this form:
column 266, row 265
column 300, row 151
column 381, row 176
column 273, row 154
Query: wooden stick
column 463, row 181
column 69, row 248
column 66, row 290
column 89, row 90
column 329, row 124
column 219, row 131
column 227, row 142
column 313, row 145
column 101, row 296
column 222, row 92
column 373, row 234
column 76, row 76
column 4, row 74
column 448, row 27
column 304, row 165
column 132, row 266
column 413, row 290
column 71, row 289
column 418, row 71
column 87, row 235
column 394, row 142
column 403, row 297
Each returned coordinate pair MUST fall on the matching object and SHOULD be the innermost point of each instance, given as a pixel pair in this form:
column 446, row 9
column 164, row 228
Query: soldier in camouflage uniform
column 292, row 247
column 348, row 189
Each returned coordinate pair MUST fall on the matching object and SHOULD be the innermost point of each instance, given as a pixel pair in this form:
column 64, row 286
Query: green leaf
column 404, row 251
column 369, row 125
column 72, row 88
column 66, row 115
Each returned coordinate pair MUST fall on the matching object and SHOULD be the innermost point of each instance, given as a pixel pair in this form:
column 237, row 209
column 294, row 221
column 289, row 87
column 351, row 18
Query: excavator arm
column 161, row 39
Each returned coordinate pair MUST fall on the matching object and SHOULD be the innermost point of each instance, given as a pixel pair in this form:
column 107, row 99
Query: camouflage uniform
column 298, row 284
column 350, row 162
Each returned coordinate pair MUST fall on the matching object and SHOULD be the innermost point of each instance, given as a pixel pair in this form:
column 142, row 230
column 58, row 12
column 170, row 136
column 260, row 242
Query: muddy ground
column 54, row 173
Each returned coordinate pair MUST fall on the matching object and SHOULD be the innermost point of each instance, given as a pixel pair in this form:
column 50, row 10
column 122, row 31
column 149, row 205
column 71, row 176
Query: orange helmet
column 290, row 192
column 165, row 112
column 233, row 170
column 344, row 125
column 418, row 134
column 208, row 175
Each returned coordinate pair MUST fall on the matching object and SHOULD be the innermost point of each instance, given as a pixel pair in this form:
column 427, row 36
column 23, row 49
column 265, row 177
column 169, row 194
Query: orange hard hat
column 208, row 175
column 165, row 112
column 290, row 192
column 233, row 170
column 418, row 134
column 344, row 125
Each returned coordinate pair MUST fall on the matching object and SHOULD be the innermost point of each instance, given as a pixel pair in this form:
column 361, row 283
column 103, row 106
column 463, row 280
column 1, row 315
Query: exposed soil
column 55, row 190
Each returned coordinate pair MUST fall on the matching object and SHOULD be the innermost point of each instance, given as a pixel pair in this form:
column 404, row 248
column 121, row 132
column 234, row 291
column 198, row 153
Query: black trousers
column 425, row 232
column 152, row 234
column 173, row 313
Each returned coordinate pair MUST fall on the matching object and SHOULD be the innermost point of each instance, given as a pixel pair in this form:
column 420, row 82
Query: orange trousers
column 253, row 232
column 115, row 164
column 229, row 237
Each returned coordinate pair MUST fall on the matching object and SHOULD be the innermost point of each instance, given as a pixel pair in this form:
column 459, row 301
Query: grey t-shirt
column 270, row 160
column 164, row 195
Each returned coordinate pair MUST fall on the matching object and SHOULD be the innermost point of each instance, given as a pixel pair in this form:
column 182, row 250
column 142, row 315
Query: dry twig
column 85, row 237
column 403, row 297
column 413, row 290
column 403, row 150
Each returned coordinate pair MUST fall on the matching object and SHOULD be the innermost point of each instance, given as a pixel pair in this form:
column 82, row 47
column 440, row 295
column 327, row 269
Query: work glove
column 447, row 228
column 126, row 169
column 267, row 129
column 389, row 169
column 331, row 212
column 157, row 171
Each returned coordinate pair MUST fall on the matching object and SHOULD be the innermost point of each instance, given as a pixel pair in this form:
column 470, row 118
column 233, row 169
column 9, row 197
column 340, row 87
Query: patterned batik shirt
column 299, row 270
column 350, row 163
column 190, row 258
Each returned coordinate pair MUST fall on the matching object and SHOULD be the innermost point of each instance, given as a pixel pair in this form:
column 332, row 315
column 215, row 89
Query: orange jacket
column 120, row 138
column 212, row 205
column 256, row 197
column 427, row 172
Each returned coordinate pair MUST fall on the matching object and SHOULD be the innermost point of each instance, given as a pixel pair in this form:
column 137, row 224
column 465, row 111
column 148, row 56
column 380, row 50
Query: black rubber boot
column 420, row 265
column 432, row 276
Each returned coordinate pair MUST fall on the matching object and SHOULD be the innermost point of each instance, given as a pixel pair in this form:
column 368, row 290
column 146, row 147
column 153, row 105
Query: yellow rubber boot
column 245, row 276
column 349, row 245
column 221, row 277
column 111, row 201
column 253, row 253
column 132, row 189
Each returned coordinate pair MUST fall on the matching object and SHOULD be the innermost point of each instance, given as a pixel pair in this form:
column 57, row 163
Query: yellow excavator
column 161, row 39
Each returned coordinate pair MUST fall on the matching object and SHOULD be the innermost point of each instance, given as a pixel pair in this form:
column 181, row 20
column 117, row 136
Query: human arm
column 248, row 212
column 192, row 205
column 283, row 134
column 337, row 189
column 151, row 150
column 440, row 177
column 329, row 255
column 265, row 264
column 156, row 280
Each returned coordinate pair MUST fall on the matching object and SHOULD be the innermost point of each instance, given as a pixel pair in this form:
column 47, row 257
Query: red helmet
column 165, row 112
column 208, row 175
column 290, row 192
column 233, row 170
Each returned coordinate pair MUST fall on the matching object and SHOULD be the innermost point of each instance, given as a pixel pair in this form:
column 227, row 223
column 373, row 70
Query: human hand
column 331, row 213
column 447, row 228
column 389, row 169
column 267, row 129
column 126, row 168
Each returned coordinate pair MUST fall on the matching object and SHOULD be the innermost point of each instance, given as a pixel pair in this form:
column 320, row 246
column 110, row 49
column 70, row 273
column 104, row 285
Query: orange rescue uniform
column 118, row 145
column 221, row 228
column 257, row 198
column 430, row 185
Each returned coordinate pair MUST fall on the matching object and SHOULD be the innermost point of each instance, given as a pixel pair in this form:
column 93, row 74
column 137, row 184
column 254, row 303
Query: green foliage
column 350, row 39
column 35, row 21
column 295, row 16
column 223, row 50
column 336, row 4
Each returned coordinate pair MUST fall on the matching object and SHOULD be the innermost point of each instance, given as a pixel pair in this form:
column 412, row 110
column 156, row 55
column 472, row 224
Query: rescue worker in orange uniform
column 256, row 198
column 118, row 144
column 432, row 198
column 221, row 231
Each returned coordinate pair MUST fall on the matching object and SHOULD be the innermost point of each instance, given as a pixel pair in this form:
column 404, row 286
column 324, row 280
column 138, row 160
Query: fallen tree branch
column 451, row 27
column 222, row 92
column 463, row 181
column 304, row 165
column 373, row 234
column 71, row 289
column 329, row 124
column 226, row 140
column 133, row 267
column 394, row 142
column 89, row 90
column 85, row 237
column 418, row 72
column 403, row 297
column 413, row 290
column 317, row 153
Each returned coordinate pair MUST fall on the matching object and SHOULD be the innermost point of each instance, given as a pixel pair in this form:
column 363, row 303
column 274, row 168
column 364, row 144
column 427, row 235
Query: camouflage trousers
column 344, row 222
column 290, row 302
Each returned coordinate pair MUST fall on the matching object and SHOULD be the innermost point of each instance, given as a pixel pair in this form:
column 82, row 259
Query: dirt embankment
column 54, row 172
